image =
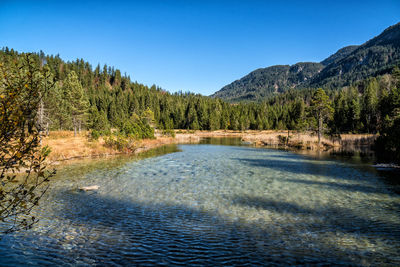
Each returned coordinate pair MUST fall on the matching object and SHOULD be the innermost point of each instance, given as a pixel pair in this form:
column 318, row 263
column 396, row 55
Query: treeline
column 101, row 99
column 364, row 107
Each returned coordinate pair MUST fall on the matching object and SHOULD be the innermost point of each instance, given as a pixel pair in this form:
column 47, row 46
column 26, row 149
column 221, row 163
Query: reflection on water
column 211, row 204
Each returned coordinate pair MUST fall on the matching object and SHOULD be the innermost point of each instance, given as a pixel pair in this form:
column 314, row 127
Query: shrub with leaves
column 137, row 128
column 121, row 143
column 23, row 174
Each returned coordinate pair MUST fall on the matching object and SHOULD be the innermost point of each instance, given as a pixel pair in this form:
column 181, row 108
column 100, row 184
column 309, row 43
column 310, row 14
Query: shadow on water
column 340, row 186
column 391, row 178
column 124, row 233
column 333, row 219
column 361, row 160
column 328, row 169
column 101, row 230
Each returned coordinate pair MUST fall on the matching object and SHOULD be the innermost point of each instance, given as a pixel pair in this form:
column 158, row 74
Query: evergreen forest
column 103, row 100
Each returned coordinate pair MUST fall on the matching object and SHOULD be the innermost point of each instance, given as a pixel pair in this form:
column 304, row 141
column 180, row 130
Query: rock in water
column 89, row 188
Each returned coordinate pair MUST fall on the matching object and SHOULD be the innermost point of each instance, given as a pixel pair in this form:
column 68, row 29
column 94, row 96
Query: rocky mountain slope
column 349, row 64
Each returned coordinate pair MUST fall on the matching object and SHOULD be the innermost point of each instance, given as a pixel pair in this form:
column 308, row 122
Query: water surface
column 212, row 204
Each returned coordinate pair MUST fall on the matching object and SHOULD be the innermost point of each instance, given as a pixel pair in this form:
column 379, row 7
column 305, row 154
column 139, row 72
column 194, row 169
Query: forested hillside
column 376, row 57
column 340, row 54
column 262, row 83
column 102, row 99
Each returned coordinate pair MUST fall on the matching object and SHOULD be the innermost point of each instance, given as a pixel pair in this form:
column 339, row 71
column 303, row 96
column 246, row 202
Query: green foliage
column 369, row 112
column 263, row 83
column 98, row 121
column 137, row 128
column 339, row 55
column 121, row 143
column 94, row 135
column 321, row 110
column 22, row 86
column 297, row 116
column 388, row 143
column 75, row 99
column 102, row 99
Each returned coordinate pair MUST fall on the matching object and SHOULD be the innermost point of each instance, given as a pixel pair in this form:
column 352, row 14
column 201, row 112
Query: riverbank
column 65, row 146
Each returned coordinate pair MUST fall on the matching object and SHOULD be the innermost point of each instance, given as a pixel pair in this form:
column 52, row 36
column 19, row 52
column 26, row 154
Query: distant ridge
column 349, row 64
column 263, row 82
column 340, row 54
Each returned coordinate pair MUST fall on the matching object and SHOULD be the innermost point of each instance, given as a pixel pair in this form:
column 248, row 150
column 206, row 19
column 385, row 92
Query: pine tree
column 388, row 142
column 76, row 100
column 321, row 109
column 369, row 105
column 98, row 121
column 340, row 114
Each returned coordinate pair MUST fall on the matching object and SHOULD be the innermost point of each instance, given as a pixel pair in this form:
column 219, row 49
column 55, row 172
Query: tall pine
column 76, row 100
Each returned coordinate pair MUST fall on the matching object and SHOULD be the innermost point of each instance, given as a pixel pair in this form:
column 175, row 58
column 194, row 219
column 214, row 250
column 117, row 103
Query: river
column 210, row 204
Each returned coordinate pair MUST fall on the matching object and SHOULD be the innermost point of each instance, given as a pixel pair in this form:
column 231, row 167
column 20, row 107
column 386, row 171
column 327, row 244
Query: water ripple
column 213, row 205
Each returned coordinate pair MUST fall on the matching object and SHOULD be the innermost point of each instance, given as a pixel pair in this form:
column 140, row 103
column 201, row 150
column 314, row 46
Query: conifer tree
column 321, row 109
column 389, row 142
column 369, row 105
column 77, row 103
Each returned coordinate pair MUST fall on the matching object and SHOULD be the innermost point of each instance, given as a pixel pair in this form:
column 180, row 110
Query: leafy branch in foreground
column 23, row 174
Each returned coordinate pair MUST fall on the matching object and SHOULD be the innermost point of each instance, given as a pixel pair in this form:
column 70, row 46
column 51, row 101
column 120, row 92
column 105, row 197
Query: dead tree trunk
column 74, row 123
column 319, row 130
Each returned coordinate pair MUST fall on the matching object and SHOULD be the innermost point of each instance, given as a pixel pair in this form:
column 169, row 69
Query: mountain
column 349, row 64
column 340, row 54
column 377, row 56
column 265, row 81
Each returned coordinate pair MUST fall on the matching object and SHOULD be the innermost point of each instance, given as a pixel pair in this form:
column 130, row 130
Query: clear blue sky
column 196, row 46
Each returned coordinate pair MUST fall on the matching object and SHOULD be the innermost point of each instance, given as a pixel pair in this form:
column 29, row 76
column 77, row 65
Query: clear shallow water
column 213, row 205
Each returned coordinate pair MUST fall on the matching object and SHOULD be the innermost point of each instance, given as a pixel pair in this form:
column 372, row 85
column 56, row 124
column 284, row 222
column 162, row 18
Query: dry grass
column 308, row 140
column 301, row 140
column 63, row 134
column 64, row 145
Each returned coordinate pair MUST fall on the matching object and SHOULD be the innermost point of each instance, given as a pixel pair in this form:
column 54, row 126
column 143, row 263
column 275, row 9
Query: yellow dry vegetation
column 64, row 145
